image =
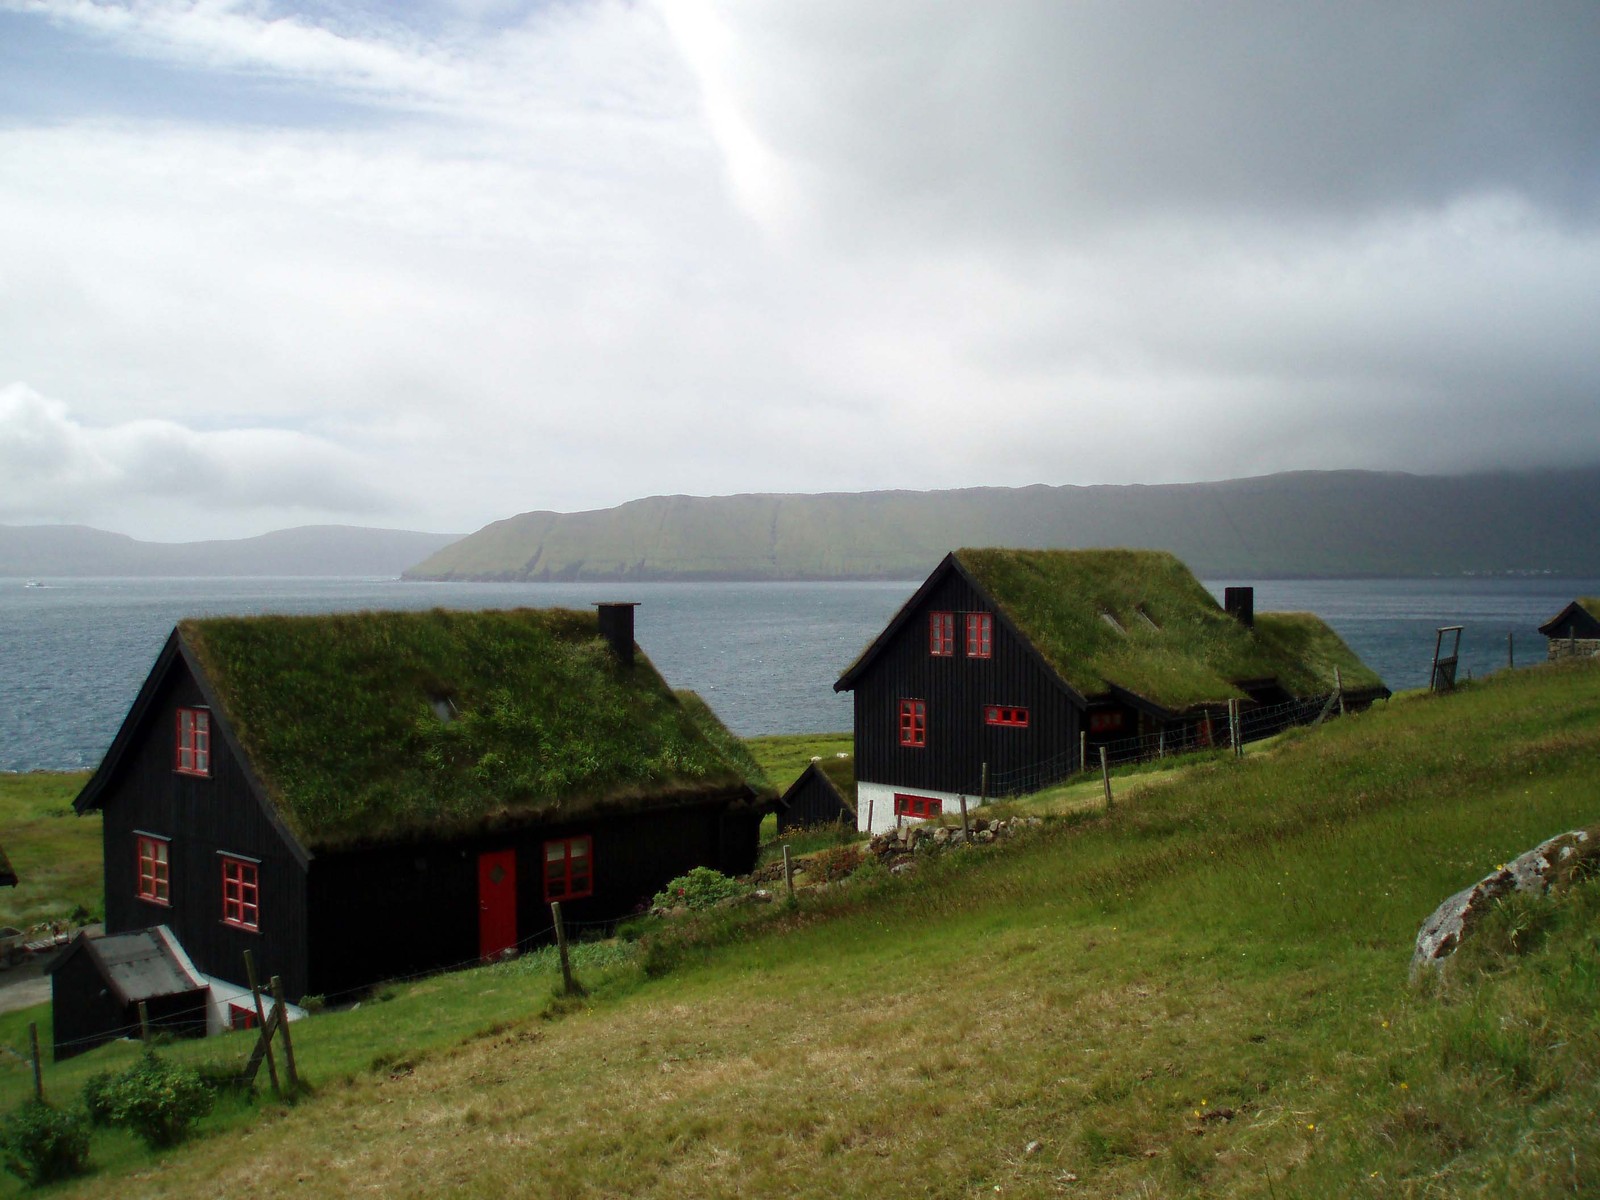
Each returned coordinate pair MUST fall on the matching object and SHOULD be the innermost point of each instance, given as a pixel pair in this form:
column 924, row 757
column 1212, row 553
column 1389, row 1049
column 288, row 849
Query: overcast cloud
column 432, row 264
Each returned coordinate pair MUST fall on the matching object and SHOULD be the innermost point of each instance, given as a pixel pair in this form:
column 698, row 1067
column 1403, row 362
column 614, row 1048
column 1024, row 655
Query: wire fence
column 1205, row 731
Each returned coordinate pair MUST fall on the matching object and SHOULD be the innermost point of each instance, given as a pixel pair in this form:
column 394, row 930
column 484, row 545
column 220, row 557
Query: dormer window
column 192, row 753
column 941, row 634
column 980, row 635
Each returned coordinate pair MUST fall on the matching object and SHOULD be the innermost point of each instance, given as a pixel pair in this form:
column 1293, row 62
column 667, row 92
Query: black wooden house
column 368, row 795
column 1574, row 632
column 1005, row 664
column 8, row 877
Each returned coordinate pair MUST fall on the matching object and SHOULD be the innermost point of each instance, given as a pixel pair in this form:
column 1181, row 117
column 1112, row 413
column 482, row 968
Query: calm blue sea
column 73, row 652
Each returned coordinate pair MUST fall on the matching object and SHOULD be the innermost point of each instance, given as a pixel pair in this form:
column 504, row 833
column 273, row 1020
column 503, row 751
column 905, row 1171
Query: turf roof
column 370, row 726
column 1171, row 642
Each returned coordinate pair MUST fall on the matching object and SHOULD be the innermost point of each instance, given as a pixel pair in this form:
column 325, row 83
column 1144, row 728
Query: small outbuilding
column 1574, row 632
column 8, row 877
column 825, row 794
column 108, row 978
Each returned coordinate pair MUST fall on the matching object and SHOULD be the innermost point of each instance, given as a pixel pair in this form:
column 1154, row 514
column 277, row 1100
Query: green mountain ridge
column 1304, row 523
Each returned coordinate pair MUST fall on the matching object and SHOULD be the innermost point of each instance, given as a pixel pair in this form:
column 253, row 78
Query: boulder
column 1549, row 864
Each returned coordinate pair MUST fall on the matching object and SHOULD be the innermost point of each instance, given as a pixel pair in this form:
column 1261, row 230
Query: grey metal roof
column 141, row 966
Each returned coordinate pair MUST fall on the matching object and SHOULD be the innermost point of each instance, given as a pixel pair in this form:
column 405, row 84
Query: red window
column 1001, row 714
column 980, row 635
column 241, row 894
column 153, row 877
column 941, row 634
column 569, row 868
column 921, row 807
column 192, row 754
column 913, row 722
column 1104, row 722
column 240, row 1017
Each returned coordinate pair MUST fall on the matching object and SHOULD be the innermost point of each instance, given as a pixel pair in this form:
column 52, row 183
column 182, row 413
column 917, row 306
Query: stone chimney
column 616, row 626
column 1241, row 605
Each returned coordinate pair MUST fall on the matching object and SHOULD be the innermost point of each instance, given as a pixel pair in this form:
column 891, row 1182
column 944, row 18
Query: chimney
column 616, row 626
column 1241, row 605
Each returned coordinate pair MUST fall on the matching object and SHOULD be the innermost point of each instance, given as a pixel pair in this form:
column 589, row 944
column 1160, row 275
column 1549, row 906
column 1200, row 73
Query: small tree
column 155, row 1099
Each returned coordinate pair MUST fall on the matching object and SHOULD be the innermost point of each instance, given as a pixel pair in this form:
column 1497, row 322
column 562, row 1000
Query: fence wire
column 1208, row 731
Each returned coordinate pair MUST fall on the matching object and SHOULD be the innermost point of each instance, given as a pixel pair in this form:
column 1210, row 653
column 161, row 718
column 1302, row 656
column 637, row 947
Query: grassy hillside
column 1201, row 993
column 55, row 853
column 1333, row 523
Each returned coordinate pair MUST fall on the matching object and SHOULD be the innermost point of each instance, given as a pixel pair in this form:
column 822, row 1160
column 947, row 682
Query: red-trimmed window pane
column 569, row 868
column 154, row 880
column 980, row 635
column 241, row 894
column 1005, row 714
column 913, row 722
column 193, row 751
column 919, row 807
column 941, row 634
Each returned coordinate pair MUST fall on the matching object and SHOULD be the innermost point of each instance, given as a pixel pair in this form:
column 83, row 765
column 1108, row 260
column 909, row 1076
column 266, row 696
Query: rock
column 941, row 836
column 984, row 835
column 903, row 867
column 1033, row 1148
column 980, row 824
column 1551, row 863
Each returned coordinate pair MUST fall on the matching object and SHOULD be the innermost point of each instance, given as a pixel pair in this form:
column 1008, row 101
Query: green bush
column 157, row 1100
column 98, row 1098
column 700, row 888
column 42, row 1143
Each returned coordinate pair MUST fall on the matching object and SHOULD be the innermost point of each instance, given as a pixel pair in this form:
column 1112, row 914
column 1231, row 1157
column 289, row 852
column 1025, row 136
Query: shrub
column 157, row 1100
column 42, row 1143
column 700, row 888
column 98, row 1098
column 837, row 863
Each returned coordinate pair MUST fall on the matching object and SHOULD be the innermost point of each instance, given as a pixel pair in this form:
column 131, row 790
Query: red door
column 497, row 902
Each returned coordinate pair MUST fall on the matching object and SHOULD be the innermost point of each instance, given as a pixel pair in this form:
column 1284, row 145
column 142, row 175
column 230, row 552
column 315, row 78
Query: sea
column 73, row 652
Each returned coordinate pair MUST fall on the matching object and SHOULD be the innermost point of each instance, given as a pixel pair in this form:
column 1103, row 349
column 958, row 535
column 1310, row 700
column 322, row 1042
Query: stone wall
column 897, row 849
column 1573, row 648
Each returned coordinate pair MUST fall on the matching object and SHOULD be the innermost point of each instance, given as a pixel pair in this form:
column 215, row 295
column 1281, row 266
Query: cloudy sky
column 429, row 264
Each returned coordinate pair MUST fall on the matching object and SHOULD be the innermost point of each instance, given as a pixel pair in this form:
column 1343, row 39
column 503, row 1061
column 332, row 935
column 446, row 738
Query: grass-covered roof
column 841, row 772
column 370, row 726
column 1139, row 619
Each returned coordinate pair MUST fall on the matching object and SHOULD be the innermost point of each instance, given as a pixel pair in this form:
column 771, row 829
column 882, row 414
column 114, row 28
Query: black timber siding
column 407, row 909
column 813, row 801
column 956, row 690
column 202, row 818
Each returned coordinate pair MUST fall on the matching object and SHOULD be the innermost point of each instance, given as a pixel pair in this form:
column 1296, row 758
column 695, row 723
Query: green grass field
column 55, row 853
column 1201, row 993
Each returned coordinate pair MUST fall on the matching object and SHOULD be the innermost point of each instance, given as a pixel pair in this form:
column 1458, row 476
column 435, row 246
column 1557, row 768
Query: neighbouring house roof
column 839, row 773
column 137, row 966
column 1581, row 618
column 8, row 877
column 379, row 726
column 1138, row 622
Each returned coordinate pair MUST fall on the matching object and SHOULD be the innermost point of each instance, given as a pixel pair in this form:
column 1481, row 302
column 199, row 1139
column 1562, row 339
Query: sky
column 429, row 264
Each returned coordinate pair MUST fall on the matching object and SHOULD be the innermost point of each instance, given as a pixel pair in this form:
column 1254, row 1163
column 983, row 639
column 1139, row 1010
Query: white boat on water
column 33, row 583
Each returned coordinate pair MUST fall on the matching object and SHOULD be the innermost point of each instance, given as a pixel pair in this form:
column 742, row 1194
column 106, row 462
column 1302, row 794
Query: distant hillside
column 50, row 551
column 1306, row 523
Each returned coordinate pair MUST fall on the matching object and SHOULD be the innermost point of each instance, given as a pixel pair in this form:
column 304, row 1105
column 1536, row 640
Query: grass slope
column 1201, row 993
column 55, row 853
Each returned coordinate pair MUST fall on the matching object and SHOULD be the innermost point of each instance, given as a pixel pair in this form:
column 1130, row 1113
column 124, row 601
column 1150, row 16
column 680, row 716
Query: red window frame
column 569, row 868
column 1105, row 722
column 240, row 1017
column 154, row 870
column 919, row 807
column 191, row 749
column 942, row 634
column 1005, row 714
column 914, row 723
column 980, row 635
column 241, row 893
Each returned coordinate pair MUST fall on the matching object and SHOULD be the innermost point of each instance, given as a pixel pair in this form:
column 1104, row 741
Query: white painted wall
column 875, row 801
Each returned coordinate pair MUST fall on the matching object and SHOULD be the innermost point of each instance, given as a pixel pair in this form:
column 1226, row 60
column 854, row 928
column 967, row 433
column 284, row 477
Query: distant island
column 1294, row 525
column 57, row 551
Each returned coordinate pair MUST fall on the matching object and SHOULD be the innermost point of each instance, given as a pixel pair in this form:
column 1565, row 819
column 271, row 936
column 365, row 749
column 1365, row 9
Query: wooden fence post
column 261, row 1020
column 1511, row 655
column 788, row 872
column 1105, row 778
column 983, row 791
column 1233, row 726
column 966, row 830
column 144, row 1022
column 569, row 984
column 282, row 1011
column 1083, row 749
column 38, row 1071
column 872, row 798
column 1338, row 684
